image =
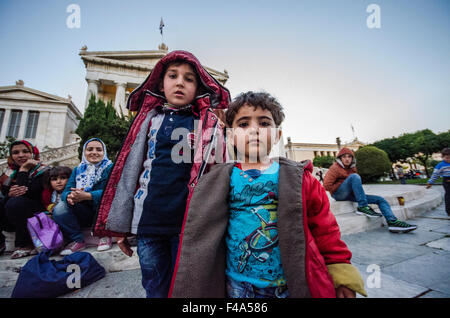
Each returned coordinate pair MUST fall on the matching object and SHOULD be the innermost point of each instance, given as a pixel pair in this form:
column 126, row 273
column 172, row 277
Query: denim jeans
column 352, row 190
column 71, row 218
column 157, row 257
column 237, row 289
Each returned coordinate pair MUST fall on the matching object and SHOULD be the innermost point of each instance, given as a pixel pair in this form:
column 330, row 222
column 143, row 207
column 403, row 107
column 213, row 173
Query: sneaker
column 400, row 227
column 368, row 211
column 104, row 244
column 72, row 248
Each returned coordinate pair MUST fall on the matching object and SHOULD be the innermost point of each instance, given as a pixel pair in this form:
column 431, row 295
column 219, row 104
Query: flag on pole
column 161, row 26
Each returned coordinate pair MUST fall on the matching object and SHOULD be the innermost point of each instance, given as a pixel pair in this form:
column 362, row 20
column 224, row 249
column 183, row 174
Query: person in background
column 344, row 184
column 442, row 169
column 55, row 180
column 22, row 186
column 81, row 197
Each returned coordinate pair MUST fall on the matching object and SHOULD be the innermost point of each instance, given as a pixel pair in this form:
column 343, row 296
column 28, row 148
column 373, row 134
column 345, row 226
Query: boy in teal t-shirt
column 259, row 227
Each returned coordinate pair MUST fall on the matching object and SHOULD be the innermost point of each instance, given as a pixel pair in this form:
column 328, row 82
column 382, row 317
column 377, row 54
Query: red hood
column 220, row 96
column 345, row 151
column 309, row 166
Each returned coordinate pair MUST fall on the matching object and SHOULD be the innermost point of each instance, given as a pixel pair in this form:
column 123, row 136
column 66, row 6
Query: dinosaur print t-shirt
column 253, row 253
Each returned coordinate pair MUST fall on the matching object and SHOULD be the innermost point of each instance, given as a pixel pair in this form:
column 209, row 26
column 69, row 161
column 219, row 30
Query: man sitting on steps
column 344, row 184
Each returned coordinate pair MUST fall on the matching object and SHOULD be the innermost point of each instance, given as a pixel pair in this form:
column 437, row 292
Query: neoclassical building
column 113, row 75
column 308, row 151
column 44, row 119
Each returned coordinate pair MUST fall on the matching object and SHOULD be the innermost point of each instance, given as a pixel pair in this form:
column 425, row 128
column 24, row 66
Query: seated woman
column 81, row 196
column 22, row 186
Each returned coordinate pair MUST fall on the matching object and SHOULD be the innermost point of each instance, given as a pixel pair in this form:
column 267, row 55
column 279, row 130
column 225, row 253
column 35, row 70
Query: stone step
column 350, row 222
column 390, row 193
column 112, row 260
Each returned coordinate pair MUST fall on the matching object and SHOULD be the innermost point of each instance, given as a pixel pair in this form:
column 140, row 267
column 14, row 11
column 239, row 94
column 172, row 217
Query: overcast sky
column 320, row 58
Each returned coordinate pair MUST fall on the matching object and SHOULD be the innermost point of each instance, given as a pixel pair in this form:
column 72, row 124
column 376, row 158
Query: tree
column 418, row 146
column 323, row 161
column 372, row 163
column 4, row 147
column 103, row 122
column 424, row 144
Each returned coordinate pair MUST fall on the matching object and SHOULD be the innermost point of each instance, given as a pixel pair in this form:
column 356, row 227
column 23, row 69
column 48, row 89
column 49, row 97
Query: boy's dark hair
column 445, row 152
column 256, row 99
column 58, row 171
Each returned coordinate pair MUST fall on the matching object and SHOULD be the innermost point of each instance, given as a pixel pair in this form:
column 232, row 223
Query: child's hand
column 125, row 246
column 344, row 292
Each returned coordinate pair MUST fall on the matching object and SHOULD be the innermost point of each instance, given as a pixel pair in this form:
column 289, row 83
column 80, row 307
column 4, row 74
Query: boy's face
column 254, row 133
column 58, row 183
column 446, row 158
column 346, row 159
column 179, row 84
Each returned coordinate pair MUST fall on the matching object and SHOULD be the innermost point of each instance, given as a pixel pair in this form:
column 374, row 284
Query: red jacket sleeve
column 322, row 223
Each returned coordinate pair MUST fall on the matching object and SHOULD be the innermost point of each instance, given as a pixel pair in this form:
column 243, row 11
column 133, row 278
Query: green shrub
column 323, row 161
column 372, row 163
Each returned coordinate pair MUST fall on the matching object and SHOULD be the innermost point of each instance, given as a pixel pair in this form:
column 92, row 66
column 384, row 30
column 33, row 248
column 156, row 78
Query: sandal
column 23, row 253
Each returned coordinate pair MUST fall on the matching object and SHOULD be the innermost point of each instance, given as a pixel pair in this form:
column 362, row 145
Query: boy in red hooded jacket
column 261, row 228
column 173, row 140
column 344, row 184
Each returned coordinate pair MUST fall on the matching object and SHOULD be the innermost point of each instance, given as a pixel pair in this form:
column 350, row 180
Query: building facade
column 113, row 75
column 46, row 120
column 309, row 151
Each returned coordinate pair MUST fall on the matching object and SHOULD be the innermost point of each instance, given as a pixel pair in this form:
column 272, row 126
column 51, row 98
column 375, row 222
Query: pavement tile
column 430, row 270
column 387, row 286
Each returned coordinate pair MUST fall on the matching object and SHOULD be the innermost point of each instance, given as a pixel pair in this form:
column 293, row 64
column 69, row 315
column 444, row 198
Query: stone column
column 119, row 101
column 23, row 124
column 5, row 124
column 92, row 90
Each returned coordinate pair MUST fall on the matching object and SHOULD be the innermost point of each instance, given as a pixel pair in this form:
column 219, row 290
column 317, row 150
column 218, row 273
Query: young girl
column 81, row 196
column 55, row 181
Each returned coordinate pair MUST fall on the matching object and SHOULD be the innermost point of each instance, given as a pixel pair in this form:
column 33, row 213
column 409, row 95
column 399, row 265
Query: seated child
column 55, row 181
column 261, row 228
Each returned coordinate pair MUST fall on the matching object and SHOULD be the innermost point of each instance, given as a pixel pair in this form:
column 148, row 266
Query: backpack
column 45, row 233
column 42, row 277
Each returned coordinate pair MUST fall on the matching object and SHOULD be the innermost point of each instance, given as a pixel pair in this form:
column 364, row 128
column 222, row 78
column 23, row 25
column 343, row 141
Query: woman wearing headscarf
column 81, row 196
column 22, row 187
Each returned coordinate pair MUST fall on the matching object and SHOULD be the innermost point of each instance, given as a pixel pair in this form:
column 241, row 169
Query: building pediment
column 25, row 93
column 135, row 60
column 22, row 93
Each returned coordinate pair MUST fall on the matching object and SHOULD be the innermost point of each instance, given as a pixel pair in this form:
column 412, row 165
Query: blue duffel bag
column 42, row 277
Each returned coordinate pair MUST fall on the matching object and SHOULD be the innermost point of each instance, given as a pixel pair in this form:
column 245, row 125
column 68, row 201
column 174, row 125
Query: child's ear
column 161, row 87
column 278, row 134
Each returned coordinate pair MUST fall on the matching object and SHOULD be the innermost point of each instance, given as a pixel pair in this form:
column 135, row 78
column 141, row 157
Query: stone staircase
column 418, row 200
column 112, row 260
